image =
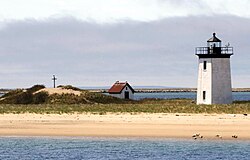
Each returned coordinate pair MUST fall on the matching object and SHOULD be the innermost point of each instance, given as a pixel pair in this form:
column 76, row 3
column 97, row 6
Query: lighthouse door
column 126, row 95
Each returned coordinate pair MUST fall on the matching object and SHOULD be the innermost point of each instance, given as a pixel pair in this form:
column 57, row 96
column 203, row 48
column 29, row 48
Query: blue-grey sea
column 237, row 96
column 40, row 148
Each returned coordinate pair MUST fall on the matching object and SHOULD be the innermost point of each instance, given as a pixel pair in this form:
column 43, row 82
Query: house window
column 126, row 88
column 204, row 95
column 205, row 65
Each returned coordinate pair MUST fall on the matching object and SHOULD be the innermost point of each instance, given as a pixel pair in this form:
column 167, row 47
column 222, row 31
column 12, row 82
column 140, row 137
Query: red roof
column 119, row 86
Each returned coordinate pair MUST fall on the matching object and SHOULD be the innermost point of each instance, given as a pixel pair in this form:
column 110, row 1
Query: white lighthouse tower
column 214, row 77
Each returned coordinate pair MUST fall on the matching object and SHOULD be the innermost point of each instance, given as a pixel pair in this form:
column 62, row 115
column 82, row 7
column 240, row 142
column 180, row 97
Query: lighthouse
column 214, row 73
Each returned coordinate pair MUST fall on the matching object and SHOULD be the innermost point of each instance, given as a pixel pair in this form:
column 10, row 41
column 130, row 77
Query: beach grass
column 143, row 106
column 31, row 101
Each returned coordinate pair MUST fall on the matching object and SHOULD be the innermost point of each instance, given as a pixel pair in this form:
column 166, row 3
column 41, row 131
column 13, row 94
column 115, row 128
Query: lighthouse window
column 204, row 95
column 205, row 65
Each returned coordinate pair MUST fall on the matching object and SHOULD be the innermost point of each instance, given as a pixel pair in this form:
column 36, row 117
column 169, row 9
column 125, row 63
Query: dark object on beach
column 245, row 114
column 219, row 136
column 197, row 135
column 177, row 115
column 234, row 136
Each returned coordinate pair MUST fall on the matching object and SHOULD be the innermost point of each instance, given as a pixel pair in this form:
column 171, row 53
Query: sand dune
column 59, row 90
column 138, row 125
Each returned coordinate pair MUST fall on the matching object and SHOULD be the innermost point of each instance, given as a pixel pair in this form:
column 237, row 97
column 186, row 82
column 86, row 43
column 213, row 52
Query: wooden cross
column 54, row 80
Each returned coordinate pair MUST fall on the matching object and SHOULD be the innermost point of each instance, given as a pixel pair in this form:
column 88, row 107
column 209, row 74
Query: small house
column 122, row 90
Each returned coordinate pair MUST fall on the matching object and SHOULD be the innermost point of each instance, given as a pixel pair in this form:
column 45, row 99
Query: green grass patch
column 144, row 106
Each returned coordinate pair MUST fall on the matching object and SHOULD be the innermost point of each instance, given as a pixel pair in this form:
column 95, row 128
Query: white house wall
column 131, row 94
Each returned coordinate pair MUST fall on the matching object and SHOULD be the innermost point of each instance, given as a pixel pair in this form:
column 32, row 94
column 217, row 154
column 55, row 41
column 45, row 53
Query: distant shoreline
column 165, row 90
column 4, row 91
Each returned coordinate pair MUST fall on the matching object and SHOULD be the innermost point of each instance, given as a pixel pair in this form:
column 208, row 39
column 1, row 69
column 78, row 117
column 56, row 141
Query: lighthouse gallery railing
column 214, row 50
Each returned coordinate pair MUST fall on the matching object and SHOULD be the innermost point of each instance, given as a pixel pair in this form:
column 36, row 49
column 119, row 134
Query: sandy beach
column 127, row 125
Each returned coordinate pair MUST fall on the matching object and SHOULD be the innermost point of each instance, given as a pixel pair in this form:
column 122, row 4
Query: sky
column 97, row 42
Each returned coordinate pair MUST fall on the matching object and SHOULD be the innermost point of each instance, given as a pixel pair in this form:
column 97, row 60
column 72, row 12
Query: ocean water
column 38, row 148
column 237, row 96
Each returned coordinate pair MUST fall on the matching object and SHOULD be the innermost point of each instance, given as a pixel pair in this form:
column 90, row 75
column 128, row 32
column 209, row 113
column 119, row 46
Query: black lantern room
column 214, row 49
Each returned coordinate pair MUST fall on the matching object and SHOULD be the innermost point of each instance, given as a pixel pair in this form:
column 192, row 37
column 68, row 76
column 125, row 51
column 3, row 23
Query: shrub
column 12, row 92
column 35, row 88
column 40, row 97
column 17, row 97
column 21, row 98
column 104, row 99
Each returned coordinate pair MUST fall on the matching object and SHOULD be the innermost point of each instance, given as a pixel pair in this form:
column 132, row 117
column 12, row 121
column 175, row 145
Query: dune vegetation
column 34, row 100
column 62, row 95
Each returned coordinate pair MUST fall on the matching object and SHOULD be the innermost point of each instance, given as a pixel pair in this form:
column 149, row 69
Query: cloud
column 145, row 53
column 113, row 11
